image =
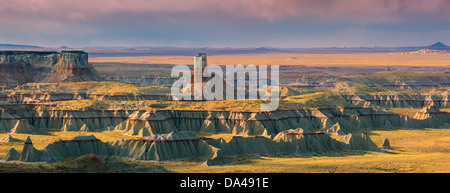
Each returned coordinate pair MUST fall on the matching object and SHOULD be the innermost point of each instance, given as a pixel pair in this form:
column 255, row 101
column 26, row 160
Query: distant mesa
column 15, row 46
column 20, row 67
column 435, row 49
column 438, row 45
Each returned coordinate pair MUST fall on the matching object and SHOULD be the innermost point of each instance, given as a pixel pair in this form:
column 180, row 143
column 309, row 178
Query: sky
column 225, row 23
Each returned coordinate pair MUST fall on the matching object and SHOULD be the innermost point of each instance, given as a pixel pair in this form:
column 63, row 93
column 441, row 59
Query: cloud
column 269, row 10
column 168, row 21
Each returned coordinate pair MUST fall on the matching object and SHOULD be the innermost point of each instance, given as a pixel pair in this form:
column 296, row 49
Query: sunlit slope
column 95, row 87
column 393, row 79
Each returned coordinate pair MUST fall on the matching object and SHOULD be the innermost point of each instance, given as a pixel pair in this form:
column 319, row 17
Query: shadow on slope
column 88, row 163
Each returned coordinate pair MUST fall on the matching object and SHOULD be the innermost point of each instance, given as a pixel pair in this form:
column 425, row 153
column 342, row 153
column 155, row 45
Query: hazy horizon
column 220, row 24
column 205, row 47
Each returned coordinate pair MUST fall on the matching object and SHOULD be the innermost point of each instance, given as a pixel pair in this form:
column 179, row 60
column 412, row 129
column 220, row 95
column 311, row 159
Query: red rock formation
column 20, row 67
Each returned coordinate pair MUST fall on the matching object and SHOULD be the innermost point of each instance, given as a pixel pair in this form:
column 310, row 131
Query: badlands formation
column 64, row 95
column 168, row 132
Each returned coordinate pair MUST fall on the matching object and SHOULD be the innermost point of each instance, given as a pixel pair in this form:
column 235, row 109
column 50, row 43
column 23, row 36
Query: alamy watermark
column 240, row 83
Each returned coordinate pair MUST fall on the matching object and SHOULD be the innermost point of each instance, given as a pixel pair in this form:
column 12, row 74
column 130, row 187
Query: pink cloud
column 206, row 22
column 270, row 10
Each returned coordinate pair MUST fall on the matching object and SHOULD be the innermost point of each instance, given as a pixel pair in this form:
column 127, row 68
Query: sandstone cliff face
column 439, row 100
column 20, row 67
column 146, row 123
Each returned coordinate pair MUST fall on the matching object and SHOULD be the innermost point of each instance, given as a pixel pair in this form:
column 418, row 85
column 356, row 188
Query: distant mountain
column 108, row 51
column 435, row 49
column 438, row 45
column 15, row 46
column 127, row 47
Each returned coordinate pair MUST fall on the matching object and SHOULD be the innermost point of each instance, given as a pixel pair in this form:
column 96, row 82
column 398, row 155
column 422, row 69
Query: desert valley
column 340, row 110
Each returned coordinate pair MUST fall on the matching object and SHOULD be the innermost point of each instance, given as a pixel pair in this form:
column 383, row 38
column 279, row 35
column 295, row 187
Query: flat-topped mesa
column 20, row 67
column 73, row 66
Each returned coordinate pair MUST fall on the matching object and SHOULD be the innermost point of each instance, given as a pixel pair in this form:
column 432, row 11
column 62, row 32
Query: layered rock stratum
column 20, row 67
column 182, row 145
column 147, row 123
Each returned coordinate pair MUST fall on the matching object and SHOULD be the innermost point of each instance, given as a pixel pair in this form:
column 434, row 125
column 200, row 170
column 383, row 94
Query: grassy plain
column 364, row 59
column 320, row 101
column 416, row 150
column 404, row 111
column 92, row 87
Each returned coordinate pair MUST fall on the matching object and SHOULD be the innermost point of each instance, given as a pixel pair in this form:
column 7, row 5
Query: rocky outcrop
column 392, row 79
column 29, row 153
column 430, row 52
column 26, row 121
column 386, row 145
column 141, row 80
column 172, row 146
column 8, row 138
column 359, row 141
column 20, row 67
column 22, row 126
column 182, row 145
column 59, row 150
column 7, row 121
column 399, row 100
column 76, row 147
column 336, row 129
column 334, row 120
column 36, row 98
column 143, row 123
column 75, row 120
column 433, row 116
column 12, row 155
column 428, row 111
column 146, row 123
